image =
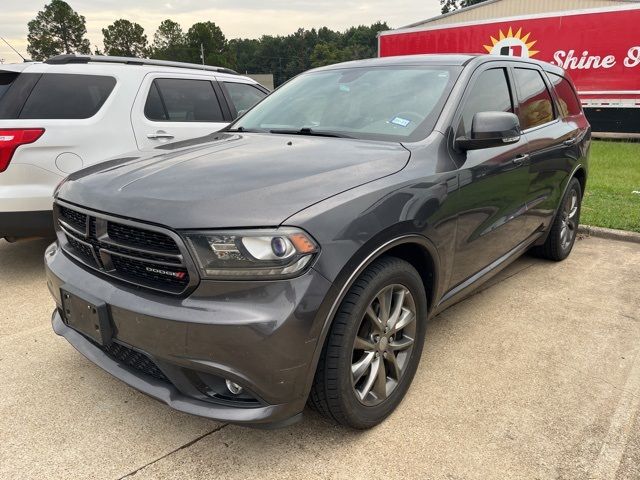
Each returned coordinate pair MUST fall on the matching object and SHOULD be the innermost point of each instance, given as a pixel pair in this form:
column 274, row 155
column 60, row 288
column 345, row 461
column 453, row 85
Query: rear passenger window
column 6, row 79
column 244, row 96
column 569, row 103
column 183, row 100
column 65, row 96
column 154, row 109
column 490, row 93
column 536, row 107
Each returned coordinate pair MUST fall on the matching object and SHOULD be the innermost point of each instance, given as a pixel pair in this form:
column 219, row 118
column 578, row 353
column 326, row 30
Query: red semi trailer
column 600, row 48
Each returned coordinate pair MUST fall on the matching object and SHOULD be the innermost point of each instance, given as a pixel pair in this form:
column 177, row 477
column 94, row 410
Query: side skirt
column 460, row 291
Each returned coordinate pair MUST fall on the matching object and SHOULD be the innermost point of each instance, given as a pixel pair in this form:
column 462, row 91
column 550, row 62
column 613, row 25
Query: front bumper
column 261, row 335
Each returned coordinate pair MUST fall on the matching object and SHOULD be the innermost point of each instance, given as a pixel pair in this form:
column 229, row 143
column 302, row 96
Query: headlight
column 252, row 254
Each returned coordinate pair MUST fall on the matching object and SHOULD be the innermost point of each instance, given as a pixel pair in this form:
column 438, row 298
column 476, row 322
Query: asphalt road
column 536, row 377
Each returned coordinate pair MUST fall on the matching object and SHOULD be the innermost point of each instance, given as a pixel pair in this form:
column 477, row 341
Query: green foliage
column 614, row 176
column 325, row 54
column 214, row 44
column 169, row 42
column 451, row 5
column 125, row 39
column 57, row 29
column 287, row 56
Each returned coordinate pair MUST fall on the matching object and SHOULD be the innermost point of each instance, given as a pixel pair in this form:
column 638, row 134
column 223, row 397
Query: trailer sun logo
column 512, row 44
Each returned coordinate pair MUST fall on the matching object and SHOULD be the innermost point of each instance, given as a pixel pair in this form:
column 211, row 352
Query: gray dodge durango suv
column 296, row 256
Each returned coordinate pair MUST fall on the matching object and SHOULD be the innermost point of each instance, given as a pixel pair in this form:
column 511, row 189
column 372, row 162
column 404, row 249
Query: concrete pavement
column 536, row 376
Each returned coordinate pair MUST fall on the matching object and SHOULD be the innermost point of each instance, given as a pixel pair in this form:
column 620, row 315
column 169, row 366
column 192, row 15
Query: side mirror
column 491, row 129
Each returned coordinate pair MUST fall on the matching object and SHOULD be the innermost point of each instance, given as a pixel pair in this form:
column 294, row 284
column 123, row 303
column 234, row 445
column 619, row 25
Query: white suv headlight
column 252, row 254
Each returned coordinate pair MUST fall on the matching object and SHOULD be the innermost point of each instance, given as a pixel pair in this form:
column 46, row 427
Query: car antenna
column 17, row 52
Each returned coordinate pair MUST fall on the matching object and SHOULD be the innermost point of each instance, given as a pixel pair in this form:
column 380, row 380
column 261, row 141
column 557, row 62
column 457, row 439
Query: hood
column 231, row 180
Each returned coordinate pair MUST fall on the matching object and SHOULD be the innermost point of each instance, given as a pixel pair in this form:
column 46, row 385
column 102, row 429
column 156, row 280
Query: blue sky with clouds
column 240, row 18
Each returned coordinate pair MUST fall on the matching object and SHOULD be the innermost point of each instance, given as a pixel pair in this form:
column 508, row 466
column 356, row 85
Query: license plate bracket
column 86, row 314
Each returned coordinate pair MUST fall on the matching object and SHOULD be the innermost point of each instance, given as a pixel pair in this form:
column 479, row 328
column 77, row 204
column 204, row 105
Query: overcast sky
column 239, row 18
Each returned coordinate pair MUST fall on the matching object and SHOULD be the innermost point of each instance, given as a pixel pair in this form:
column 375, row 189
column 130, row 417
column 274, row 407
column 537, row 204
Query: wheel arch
column 416, row 249
column 581, row 174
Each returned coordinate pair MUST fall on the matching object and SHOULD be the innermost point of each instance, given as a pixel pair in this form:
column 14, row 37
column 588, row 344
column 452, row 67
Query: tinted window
column 244, row 96
column 490, row 93
column 6, row 79
column 183, row 100
column 64, row 96
column 536, row 107
column 569, row 103
column 154, row 109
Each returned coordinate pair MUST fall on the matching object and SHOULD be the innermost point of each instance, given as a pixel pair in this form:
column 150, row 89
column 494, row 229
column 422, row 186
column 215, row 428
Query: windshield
column 399, row 103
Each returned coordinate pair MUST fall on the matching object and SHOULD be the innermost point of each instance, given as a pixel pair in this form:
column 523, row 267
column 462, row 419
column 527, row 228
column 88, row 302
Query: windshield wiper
column 242, row 130
column 310, row 132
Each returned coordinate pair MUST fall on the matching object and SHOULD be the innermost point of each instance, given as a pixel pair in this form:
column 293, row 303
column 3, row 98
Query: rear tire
column 374, row 346
column 564, row 229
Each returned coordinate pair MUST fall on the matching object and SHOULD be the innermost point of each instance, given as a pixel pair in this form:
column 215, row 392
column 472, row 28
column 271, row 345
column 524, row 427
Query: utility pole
column 202, row 53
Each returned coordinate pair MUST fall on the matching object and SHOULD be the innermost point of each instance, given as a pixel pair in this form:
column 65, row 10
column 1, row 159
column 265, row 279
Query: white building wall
column 510, row 8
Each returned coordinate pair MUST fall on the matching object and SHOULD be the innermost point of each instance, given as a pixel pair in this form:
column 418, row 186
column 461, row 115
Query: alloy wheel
column 383, row 344
column 569, row 224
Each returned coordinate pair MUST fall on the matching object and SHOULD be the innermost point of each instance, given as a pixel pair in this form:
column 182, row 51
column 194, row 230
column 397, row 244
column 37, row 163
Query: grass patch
column 614, row 173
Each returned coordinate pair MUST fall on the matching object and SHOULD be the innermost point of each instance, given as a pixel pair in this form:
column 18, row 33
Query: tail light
column 12, row 138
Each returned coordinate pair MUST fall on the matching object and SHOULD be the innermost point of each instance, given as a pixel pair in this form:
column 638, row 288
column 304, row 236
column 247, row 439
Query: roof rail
column 67, row 59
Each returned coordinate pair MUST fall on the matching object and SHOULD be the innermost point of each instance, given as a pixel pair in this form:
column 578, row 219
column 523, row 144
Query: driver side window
column 489, row 93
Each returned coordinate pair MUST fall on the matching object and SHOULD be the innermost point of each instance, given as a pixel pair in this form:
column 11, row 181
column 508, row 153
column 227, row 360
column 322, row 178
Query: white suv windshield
column 380, row 103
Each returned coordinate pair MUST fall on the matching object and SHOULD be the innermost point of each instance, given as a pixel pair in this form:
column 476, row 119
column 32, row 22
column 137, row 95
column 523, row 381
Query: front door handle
column 520, row 159
column 159, row 136
column 569, row 142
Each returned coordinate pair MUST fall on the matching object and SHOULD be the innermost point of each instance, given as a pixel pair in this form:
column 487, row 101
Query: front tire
column 564, row 230
column 374, row 346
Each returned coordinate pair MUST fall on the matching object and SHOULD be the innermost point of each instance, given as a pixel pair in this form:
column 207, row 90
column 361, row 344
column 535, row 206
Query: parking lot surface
column 536, row 376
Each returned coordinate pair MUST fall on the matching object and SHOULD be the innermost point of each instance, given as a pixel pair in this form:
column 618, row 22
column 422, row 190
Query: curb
column 609, row 233
column 615, row 136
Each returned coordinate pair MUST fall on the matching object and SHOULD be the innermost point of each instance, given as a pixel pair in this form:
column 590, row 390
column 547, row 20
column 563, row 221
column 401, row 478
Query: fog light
column 233, row 387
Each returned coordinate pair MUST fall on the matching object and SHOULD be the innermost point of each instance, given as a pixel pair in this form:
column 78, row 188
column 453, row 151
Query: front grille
column 74, row 218
column 141, row 255
column 133, row 359
column 138, row 237
column 83, row 250
column 138, row 270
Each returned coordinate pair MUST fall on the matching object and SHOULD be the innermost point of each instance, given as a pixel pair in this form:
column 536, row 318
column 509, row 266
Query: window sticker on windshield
column 403, row 122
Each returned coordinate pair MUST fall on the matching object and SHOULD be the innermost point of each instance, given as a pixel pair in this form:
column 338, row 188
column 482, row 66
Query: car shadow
column 22, row 259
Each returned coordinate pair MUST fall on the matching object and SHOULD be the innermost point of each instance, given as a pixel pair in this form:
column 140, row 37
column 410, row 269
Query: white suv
column 73, row 111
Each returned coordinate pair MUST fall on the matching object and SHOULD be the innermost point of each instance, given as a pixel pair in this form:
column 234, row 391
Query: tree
column 57, row 29
column 125, row 39
column 213, row 42
column 451, row 5
column 169, row 42
column 286, row 56
column 246, row 53
column 325, row 54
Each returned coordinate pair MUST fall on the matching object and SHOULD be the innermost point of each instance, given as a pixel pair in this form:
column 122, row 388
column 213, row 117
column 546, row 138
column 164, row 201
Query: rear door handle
column 520, row 159
column 159, row 136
